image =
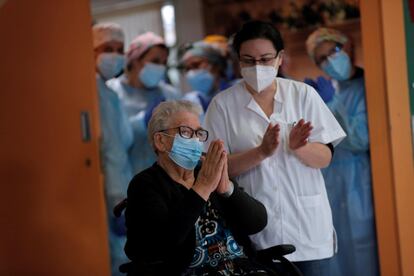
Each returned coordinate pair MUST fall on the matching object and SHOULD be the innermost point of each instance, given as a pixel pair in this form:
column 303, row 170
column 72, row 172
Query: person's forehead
column 185, row 118
column 194, row 60
column 113, row 43
column 324, row 47
column 259, row 46
column 156, row 51
column 114, row 46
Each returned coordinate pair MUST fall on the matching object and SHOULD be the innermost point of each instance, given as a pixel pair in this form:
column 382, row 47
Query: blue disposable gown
column 203, row 99
column 116, row 140
column 199, row 99
column 136, row 101
column 348, row 183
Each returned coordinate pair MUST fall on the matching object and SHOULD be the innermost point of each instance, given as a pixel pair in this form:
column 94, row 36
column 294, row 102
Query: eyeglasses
column 266, row 60
column 323, row 58
column 188, row 133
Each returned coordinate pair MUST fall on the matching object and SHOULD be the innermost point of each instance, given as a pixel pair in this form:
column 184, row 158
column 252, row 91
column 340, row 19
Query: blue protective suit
column 348, row 183
column 204, row 100
column 116, row 139
column 136, row 103
column 198, row 98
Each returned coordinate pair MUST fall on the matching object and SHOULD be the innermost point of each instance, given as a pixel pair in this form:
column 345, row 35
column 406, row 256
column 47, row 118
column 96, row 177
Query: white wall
column 136, row 17
column 189, row 20
column 134, row 20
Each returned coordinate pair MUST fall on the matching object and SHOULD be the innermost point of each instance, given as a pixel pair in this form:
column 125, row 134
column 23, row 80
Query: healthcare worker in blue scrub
column 141, row 88
column 224, row 45
column 116, row 133
column 204, row 67
column 348, row 178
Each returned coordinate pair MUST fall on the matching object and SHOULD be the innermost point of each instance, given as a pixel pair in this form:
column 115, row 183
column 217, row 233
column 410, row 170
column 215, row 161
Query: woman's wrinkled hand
column 224, row 184
column 299, row 134
column 211, row 170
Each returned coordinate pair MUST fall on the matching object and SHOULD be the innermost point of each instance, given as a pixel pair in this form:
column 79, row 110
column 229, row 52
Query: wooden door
column 51, row 199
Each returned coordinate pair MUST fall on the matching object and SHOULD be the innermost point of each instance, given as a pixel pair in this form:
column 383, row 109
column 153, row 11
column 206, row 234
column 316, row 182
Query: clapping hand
column 299, row 134
column 270, row 140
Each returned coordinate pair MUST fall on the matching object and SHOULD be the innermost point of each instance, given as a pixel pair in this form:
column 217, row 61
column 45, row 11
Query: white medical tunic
column 293, row 193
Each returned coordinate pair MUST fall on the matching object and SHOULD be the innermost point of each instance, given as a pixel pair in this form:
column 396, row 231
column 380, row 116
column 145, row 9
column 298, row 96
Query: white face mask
column 259, row 77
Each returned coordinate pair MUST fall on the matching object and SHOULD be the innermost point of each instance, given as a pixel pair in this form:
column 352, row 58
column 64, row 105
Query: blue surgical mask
column 151, row 74
column 338, row 66
column 110, row 64
column 186, row 152
column 200, row 80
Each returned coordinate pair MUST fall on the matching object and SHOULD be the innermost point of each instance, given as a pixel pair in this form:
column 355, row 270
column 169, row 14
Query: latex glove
column 150, row 109
column 323, row 86
column 118, row 225
column 311, row 82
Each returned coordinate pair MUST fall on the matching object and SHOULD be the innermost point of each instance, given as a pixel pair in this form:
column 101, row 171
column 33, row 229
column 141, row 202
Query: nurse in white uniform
column 279, row 134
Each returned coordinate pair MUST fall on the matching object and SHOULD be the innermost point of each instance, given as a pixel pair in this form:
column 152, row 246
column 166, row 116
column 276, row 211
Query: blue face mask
column 151, row 74
column 186, row 152
column 338, row 66
column 200, row 80
column 110, row 64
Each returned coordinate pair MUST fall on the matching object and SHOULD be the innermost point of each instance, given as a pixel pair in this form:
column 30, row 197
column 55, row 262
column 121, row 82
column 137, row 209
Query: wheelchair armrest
column 147, row 269
column 124, row 268
column 119, row 208
column 276, row 252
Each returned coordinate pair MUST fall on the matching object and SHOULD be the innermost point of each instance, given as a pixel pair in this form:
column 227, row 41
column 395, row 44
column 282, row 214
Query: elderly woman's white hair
column 164, row 112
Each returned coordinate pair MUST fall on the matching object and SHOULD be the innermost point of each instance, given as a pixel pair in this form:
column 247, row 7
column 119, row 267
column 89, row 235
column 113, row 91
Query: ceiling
column 100, row 6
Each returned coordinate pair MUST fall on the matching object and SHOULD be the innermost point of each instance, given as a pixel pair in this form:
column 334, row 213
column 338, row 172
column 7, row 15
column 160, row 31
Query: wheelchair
column 276, row 253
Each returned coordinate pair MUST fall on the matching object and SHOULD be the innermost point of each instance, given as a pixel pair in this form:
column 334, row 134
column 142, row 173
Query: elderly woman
column 183, row 219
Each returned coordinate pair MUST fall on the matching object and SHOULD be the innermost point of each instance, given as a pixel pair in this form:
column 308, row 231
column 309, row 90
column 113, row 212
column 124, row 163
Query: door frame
column 384, row 49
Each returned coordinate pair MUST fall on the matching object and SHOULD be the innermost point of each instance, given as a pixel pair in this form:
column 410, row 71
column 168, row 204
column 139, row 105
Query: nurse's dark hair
column 255, row 30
